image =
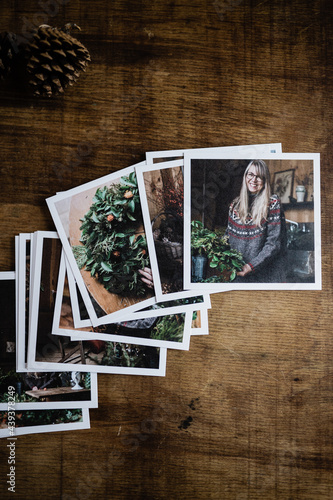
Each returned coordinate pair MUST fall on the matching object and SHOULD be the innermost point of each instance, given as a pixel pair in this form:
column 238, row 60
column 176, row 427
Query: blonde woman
column 257, row 229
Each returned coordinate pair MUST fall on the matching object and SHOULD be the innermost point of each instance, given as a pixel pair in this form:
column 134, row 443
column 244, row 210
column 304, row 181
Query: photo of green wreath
column 112, row 248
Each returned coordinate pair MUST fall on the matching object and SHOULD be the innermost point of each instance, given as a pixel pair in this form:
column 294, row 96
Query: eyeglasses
column 253, row 177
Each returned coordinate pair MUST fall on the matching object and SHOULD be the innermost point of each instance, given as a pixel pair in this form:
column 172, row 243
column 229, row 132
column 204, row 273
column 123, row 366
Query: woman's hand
column 147, row 277
column 246, row 270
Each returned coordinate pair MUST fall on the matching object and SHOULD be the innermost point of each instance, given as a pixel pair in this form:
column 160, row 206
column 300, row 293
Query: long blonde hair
column 258, row 208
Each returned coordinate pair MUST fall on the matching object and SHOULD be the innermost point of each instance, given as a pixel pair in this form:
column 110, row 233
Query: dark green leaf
column 106, row 267
column 94, row 269
column 95, row 218
column 120, row 202
column 92, row 237
column 127, row 182
column 131, row 205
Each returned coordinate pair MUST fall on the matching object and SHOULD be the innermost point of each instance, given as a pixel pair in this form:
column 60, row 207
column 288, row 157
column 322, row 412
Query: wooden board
column 55, row 392
column 247, row 412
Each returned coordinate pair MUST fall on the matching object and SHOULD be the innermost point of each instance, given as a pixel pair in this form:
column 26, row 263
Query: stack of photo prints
column 129, row 271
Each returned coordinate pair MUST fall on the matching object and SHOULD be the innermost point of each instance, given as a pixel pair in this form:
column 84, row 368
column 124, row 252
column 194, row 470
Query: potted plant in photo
column 167, row 227
column 200, row 240
column 212, row 247
column 303, row 187
column 168, row 237
column 300, row 193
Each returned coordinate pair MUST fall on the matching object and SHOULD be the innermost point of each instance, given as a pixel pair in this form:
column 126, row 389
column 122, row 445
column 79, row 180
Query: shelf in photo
column 308, row 205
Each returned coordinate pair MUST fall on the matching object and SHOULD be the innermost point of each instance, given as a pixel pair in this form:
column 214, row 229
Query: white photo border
column 21, row 244
column 152, row 155
column 204, row 328
column 315, row 157
column 38, row 429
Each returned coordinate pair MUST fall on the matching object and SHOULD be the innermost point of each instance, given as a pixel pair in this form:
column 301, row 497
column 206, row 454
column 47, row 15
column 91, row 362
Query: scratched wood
column 247, row 412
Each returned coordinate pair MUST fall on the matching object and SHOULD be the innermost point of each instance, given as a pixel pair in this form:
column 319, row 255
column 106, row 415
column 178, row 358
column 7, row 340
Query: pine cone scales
column 55, row 60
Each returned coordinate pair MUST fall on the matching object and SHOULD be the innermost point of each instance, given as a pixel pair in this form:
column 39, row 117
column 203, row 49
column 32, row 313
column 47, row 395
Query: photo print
column 101, row 228
column 8, row 322
column 54, row 388
column 39, row 421
column 162, row 197
column 30, row 389
column 161, row 188
column 23, row 286
column 238, row 232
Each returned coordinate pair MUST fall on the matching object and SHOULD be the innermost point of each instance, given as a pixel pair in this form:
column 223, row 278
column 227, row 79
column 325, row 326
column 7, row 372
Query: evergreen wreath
column 111, row 249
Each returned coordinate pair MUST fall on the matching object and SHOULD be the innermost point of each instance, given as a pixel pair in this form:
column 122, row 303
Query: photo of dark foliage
column 28, row 418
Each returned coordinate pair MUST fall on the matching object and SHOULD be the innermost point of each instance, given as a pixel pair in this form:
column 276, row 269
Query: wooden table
column 247, row 412
column 57, row 393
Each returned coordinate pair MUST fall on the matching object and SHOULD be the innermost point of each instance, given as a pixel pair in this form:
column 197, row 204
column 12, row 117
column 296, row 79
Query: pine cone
column 55, row 60
column 8, row 50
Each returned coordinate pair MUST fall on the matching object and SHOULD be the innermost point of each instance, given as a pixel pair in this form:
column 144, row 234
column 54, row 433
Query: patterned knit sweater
column 263, row 247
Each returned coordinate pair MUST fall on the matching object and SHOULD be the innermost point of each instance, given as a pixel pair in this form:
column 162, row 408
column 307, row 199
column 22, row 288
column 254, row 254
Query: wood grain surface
column 246, row 413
